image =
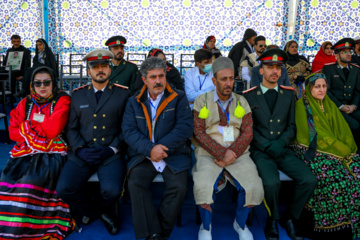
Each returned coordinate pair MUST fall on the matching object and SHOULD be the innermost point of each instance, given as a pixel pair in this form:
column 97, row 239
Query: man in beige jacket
column 222, row 134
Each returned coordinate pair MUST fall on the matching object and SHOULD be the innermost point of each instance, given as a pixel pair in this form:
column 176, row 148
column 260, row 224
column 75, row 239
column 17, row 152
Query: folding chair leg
column 198, row 219
column 249, row 221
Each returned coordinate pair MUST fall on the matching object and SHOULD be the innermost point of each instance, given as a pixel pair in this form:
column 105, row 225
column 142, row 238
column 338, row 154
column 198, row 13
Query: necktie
column 98, row 95
column 346, row 72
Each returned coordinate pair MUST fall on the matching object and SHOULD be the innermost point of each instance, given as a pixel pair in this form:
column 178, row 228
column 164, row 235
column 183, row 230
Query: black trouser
column 71, row 183
column 305, row 181
column 147, row 221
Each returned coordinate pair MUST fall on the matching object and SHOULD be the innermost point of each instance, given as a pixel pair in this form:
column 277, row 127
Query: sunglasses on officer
column 261, row 45
column 46, row 83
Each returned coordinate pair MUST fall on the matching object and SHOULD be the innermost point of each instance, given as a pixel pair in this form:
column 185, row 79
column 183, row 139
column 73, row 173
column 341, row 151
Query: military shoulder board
column 120, row 86
column 80, row 87
column 249, row 90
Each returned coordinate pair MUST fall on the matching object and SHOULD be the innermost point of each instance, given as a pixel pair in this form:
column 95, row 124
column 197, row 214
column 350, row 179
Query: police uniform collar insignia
column 281, row 91
column 110, row 86
column 275, row 58
column 258, row 93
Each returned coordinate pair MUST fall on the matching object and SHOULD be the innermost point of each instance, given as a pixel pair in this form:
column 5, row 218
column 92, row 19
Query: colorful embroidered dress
column 29, row 205
column 325, row 142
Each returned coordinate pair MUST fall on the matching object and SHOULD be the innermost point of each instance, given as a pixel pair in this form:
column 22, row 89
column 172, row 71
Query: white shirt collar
column 264, row 89
column 343, row 67
column 95, row 90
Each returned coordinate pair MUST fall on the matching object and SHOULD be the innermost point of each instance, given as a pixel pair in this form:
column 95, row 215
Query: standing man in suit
column 355, row 58
column 95, row 138
column 343, row 82
column 273, row 113
column 122, row 72
column 256, row 77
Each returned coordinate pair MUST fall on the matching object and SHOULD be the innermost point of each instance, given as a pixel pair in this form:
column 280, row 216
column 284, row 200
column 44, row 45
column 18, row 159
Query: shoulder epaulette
column 249, row 90
column 287, row 87
column 332, row 63
column 80, row 87
column 120, row 86
column 355, row 65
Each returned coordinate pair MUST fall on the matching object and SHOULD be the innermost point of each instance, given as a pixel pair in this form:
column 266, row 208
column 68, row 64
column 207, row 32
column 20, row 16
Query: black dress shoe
column 289, row 226
column 111, row 224
column 271, row 230
column 156, row 237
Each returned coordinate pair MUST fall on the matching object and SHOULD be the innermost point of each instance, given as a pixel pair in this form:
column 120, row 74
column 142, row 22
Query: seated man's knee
column 273, row 184
column 111, row 192
column 310, row 181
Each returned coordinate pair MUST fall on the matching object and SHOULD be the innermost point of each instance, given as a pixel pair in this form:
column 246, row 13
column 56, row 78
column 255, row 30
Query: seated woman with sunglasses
column 29, row 205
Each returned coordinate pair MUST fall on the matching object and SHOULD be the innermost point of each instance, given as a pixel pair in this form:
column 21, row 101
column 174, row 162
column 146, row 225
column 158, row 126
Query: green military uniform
column 276, row 124
column 124, row 74
column 342, row 90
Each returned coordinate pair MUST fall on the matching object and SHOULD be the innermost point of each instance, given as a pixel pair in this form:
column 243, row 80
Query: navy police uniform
column 124, row 73
column 355, row 58
column 94, row 123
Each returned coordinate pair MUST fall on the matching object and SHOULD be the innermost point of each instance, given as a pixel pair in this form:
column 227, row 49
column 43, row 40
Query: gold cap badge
column 99, row 56
column 275, row 58
column 347, row 44
column 118, row 41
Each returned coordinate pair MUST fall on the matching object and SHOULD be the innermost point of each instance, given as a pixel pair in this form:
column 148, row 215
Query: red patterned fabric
column 213, row 147
column 34, row 137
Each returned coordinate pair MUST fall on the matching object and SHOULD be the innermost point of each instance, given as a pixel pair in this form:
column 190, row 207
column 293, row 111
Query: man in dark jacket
column 18, row 75
column 241, row 49
column 157, row 126
column 95, row 139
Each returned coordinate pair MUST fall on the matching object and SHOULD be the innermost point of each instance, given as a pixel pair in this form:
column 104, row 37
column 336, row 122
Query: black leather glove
column 102, row 153
column 87, row 154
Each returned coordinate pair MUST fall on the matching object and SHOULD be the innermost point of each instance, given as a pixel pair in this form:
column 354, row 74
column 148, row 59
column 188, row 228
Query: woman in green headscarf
column 325, row 142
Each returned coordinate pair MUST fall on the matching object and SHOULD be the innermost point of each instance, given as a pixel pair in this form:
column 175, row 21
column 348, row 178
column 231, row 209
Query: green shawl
column 329, row 128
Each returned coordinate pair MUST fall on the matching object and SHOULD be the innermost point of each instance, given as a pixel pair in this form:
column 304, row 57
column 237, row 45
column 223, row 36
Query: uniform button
column 94, row 139
column 271, row 132
column 278, row 133
column 104, row 115
column 349, row 86
column 103, row 127
column 95, row 115
column 278, row 120
column 95, row 127
column 349, row 94
column 344, row 86
column 270, row 120
column 103, row 139
column 344, row 94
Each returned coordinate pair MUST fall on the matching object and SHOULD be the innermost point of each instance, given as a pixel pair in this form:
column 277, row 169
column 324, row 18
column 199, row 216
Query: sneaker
column 244, row 234
column 204, row 234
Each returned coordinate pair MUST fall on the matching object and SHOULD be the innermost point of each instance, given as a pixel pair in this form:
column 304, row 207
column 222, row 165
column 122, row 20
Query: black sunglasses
column 262, row 45
column 46, row 83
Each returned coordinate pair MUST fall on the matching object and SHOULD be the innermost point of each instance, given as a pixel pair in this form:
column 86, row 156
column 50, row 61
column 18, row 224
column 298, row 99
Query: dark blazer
column 355, row 59
column 124, row 74
column 256, row 77
column 340, row 90
column 173, row 128
column 93, row 124
column 278, row 125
